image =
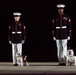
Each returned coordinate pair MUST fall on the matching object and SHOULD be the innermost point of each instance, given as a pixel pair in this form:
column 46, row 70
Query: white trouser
column 16, row 48
column 61, row 50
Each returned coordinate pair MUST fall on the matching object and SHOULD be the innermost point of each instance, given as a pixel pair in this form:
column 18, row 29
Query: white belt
column 16, row 32
column 61, row 27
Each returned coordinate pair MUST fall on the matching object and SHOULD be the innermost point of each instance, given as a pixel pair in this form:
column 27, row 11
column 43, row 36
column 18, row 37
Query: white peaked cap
column 60, row 5
column 16, row 14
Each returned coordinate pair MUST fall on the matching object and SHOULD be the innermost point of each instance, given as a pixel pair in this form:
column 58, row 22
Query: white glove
column 22, row 41
column 54, row 38
column 10, row 42
column 68, row 38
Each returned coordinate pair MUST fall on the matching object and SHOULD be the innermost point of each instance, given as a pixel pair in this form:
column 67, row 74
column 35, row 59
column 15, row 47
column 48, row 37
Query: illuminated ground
column 37, row 68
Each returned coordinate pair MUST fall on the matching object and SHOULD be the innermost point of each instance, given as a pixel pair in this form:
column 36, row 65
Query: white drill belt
column 16, row 32
column 63, row 27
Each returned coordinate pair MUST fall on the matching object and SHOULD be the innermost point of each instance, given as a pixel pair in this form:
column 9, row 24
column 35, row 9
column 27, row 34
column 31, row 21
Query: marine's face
column 17, row 18
column 61, row 11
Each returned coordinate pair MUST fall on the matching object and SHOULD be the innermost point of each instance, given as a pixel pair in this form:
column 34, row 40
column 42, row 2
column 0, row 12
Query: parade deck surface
column 36, row 68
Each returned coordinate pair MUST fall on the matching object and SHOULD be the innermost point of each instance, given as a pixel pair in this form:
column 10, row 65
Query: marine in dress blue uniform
column 61, row 31
column 17, row 36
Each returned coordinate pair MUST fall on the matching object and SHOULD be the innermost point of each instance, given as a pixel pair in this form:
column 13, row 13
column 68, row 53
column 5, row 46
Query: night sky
column 37, row 16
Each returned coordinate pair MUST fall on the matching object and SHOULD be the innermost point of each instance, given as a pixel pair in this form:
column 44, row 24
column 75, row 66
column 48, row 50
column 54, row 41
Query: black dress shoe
column 63, row 64
column 60, row 64
column 15, row 65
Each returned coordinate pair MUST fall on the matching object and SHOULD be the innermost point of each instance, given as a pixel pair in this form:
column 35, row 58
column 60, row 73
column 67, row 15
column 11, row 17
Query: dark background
column 37, row 16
